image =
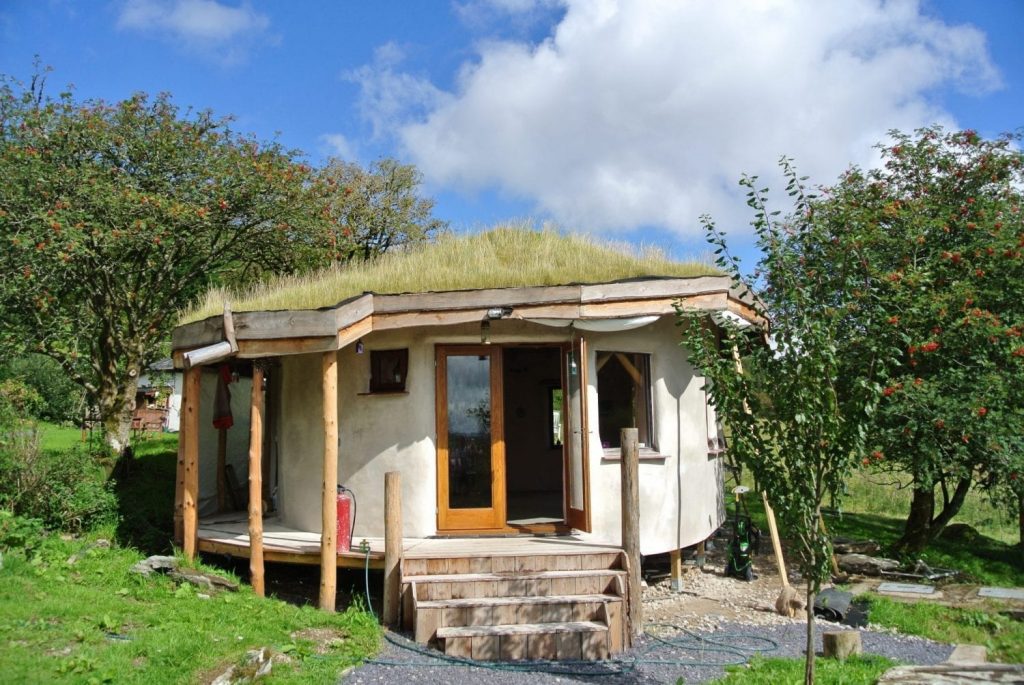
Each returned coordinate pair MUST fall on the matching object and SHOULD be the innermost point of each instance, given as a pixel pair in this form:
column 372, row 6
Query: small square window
column 388, row 369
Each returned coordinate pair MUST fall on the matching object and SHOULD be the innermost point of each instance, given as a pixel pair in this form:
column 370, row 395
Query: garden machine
column 745, row 541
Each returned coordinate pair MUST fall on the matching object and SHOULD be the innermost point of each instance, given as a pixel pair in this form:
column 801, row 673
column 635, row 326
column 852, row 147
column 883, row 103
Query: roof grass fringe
column 514, row 255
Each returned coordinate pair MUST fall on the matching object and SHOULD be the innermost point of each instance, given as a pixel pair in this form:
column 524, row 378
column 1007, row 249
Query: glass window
column 388, row 369
column 624, row 396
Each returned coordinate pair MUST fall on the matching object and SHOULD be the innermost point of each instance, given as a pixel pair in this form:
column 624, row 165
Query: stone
column 789, row 602
column 841, row 644
column 160, row 564
column 844, row 546
column 968, row 654
column 866, row 565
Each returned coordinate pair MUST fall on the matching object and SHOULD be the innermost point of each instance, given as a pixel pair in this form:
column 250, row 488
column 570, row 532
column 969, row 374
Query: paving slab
column 1002, row 592
column 906, row 589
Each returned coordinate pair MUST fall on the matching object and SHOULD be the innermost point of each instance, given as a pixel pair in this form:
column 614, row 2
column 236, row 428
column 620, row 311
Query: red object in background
column 344, row 519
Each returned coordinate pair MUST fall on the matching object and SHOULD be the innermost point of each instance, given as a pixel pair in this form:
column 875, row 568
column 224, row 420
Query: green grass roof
column 503, row 257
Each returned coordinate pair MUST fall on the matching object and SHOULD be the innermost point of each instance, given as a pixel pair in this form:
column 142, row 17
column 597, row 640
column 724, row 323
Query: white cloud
column 636, row 114
column 337, row 145
column 223, row 32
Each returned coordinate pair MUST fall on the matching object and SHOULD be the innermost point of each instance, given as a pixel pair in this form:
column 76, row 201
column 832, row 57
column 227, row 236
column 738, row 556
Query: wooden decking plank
column 505, row 601
column 456, row 632
column 489, row 577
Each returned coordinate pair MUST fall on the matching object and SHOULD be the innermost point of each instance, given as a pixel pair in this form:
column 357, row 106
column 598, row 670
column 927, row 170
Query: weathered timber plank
column 486, row 647
column 653, row 288
column 475, row 299
column 522, row 629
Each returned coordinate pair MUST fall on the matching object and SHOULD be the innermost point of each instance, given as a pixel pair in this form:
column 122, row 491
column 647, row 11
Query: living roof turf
column 503, row 257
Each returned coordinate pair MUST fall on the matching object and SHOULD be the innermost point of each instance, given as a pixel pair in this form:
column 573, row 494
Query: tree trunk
column 1020, row 520
column 809, row 662
column 116, row 405
column 923, row 525
column 917, row 531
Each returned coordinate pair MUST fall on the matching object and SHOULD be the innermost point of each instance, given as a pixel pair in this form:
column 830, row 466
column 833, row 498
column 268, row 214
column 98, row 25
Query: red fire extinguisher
column 346, row 518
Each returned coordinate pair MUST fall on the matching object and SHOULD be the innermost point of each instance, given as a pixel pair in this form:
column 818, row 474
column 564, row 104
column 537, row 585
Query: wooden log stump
column 841, row 644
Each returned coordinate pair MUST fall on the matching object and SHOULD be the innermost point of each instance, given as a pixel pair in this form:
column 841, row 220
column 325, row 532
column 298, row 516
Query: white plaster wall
column 237, row 452
column 680, row 494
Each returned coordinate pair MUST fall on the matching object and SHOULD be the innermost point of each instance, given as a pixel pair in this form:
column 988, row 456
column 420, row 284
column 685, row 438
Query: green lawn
column 71, row 611
column 863, row 670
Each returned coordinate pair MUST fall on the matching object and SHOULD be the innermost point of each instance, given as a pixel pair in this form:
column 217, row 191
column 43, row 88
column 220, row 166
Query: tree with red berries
column 939, row 229
column 113, row 217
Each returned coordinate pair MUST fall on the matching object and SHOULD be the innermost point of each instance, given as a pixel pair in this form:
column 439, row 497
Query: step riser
column 496, row 615
column 517, row 587
column 592, row 646
column 511, row 564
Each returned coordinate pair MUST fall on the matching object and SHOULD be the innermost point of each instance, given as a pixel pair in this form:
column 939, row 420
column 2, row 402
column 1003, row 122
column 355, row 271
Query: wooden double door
column 471, row 446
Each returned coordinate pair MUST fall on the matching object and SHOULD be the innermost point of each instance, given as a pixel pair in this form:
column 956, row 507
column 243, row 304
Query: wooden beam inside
column 329, row 508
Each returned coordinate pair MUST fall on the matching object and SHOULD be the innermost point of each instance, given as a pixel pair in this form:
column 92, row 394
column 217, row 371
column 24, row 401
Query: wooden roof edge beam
column 217, row 351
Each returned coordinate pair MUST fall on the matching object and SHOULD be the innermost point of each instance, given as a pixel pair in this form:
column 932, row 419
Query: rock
column 258, row 664
column 866, row 565
column 102, row 543
column 847, row 546
column 841, row 644
column 157, row 563
column 960, row 532
column 789, row 602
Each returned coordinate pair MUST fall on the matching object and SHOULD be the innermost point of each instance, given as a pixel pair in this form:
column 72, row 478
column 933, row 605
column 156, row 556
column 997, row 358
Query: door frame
column 482, row 519
column 576, row 350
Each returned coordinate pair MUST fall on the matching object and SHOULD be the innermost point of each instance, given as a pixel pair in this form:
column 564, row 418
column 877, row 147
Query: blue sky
column 627, row 119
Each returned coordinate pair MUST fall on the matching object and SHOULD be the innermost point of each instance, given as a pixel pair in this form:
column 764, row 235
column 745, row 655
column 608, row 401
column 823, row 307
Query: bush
column 18, row 532
column 66, row 490
column 59, row 399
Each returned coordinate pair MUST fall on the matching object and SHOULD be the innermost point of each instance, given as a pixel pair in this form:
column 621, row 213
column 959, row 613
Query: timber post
column 190, row 461
column 329, row 507
column 631, row 526
column 773, row 529
column 392, row 547
column 256, row 482
column 676, row 568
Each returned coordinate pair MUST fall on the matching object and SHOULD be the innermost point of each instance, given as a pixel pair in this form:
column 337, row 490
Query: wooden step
column 479, row 611
column 512, row 563
column 539, row 583
column 511, row 642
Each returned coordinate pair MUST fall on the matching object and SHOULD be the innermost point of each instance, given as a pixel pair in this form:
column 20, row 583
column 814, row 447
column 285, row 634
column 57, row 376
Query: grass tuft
column 862, row 670
column 508, row 256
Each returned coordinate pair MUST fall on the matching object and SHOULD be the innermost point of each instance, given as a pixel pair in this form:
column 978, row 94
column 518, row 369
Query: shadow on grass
column 979, row 558
column 145, row 494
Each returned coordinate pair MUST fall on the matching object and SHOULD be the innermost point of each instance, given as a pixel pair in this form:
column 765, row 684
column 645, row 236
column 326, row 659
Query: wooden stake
column 328, row 504
column 190, row 461
column 179, row 486
column 676, row 566
column 630, row 465
column 701, row 553
column 392, row 547
column 256, row 482
column 776, row 542
column 222, row 458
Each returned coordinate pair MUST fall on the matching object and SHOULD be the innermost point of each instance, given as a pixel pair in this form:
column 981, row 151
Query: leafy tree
column 939, row 232
column 60, row 399
column 114, row 217
column 376, row 209
column 797, row 422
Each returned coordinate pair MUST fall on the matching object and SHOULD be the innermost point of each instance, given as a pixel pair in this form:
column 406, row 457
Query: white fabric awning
column 599, row 325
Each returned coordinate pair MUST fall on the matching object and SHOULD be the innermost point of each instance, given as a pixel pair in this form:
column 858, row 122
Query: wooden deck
column 229, row 534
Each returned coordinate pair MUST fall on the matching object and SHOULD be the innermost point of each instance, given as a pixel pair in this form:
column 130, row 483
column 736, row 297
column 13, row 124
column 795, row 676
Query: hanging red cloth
column 222, row 417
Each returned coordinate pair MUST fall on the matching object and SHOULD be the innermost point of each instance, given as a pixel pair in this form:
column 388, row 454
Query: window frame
column 648, row 446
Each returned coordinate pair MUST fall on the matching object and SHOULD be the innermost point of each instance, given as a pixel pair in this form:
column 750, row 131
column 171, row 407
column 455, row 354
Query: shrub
column 59, row 398
column 19, row 532
column 65, row 490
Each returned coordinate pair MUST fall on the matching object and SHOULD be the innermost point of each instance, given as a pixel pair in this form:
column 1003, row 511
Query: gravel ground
column 638, row 664
column 713, row 610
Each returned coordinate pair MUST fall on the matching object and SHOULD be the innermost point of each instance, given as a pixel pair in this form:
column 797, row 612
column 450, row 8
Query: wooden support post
column 328, row 504
column 676, row 567
column 630, row 464
column 701, row 553
column 392, row 547
column 190, row 461
column 256, row 482
column 179, row 487
column 776, row 543
column 222, row 460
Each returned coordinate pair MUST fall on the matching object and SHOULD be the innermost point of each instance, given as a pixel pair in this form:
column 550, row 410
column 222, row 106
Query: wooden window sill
column 646, row 454
column 383, row 392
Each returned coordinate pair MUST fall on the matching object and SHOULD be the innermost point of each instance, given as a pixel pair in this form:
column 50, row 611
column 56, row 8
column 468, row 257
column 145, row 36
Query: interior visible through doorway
column 534, row 462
